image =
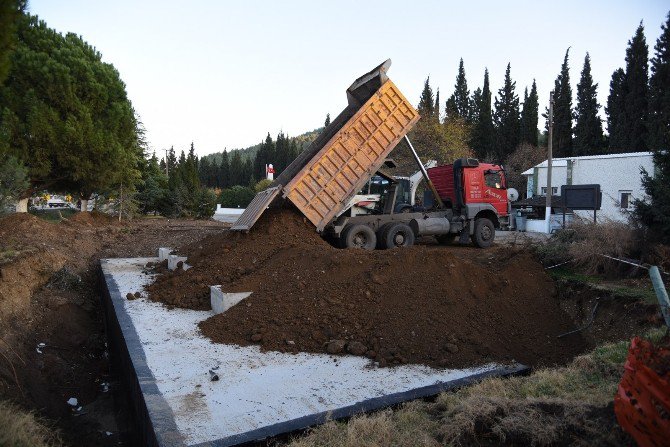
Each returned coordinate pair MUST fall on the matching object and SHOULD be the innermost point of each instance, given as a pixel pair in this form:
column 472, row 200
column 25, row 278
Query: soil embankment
column 439, row 306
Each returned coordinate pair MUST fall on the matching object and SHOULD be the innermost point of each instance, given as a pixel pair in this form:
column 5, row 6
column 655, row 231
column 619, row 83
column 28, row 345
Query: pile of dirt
column 438, row 306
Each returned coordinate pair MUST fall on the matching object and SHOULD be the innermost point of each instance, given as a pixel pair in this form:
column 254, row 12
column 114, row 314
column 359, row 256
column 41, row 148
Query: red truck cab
column 471, row 188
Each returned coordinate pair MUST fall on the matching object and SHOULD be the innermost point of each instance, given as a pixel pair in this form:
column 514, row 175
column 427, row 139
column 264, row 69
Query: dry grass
column 22, row 429
column 616, row 239
column 550, row 406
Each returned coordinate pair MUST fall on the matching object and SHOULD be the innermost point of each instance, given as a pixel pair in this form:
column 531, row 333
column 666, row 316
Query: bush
column 588, row 244
column 206, row 204
column 236, row 197
column 262, row 185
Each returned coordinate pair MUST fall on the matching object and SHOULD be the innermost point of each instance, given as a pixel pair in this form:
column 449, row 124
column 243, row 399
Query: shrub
column 236, row 197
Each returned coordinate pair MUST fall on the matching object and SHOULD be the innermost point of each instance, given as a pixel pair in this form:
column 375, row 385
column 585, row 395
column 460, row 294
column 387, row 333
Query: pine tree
column 529, row 116
column 426, row 106
column 506, row 118
column 223, row 174
column 235, row 171
column 659, row 93
column 588, row 126
column 265, row 155
column 615, row 110
column 562, row 144
column 10, row 14
column 636, row 102
column 483, row 134
column 459, row 103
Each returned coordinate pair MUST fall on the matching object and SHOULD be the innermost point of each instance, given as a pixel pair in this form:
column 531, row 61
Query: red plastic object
column 642, row 402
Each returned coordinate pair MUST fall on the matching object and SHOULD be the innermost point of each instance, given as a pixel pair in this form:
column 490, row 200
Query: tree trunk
column 22, row 206
column 84, row 205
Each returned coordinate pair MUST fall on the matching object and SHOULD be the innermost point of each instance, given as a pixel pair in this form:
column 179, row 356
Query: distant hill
column 303, row 140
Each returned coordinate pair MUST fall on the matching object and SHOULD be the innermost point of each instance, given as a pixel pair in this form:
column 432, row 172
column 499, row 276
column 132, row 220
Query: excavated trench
column 439, row 306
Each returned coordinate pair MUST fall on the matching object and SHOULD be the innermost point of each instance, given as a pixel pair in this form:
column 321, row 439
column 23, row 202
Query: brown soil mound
column 433, row 305
column 94, row 218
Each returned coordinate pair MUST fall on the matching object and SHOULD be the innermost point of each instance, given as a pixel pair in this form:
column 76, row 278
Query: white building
column 617, row 174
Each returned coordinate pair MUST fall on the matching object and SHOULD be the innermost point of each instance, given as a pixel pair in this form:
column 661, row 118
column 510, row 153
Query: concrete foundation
column 222, row 301
column 166, row 362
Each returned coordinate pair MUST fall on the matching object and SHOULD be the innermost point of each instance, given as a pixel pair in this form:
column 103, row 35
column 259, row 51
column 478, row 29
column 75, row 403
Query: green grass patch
column 571, row 275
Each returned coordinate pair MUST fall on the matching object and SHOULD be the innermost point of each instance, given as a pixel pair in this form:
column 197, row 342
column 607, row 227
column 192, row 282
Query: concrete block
column 163, row 253
column 173, row 260
column 222, row 301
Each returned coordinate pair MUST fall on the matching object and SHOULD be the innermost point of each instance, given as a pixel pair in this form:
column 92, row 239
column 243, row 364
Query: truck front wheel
column 359, row 236
column 485, row 233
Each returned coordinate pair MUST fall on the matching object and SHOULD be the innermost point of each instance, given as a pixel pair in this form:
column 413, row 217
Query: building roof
column 561, row 162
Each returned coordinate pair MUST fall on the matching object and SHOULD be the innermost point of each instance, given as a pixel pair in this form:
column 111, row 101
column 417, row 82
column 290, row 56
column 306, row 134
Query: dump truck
column 324, row 178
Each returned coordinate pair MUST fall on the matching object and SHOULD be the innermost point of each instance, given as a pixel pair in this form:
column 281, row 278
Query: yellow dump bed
column 322, row 180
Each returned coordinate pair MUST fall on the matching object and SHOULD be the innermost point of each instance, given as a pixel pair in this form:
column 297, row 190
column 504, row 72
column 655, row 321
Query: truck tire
column 398, row 235
column 380, row 236
column 485, row 233
column 359, row 236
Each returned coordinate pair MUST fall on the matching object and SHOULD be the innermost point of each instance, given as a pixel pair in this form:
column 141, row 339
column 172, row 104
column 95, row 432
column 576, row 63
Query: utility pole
column 547, row 215
column 167, row 168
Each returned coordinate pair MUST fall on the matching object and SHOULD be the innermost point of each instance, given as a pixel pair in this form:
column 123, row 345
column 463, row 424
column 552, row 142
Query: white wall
column 613, row 173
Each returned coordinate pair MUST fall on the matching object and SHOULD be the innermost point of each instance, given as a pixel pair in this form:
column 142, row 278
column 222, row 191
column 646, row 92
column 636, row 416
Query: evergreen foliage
column 529, row 116
column 483, row 133
column 588, row 126
column 562, row 144
column 459, row 103
column 65, row 114
column 636, row 101
column 659, row 92
column 615, row 110
column 506, row 118
column 654, row 212
column 13, row 181
column 426, row 106
column 327, row 122
column 10, row 14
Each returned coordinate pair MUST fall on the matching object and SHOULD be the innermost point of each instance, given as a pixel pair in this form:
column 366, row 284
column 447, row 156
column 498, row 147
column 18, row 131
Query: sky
column 222, row 74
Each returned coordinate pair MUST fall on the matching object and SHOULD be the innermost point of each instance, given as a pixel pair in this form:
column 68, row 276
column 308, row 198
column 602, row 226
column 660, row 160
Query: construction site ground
column 53, row 347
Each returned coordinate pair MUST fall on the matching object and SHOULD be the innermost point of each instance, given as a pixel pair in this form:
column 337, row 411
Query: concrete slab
column 166, row 363
column 174, row 260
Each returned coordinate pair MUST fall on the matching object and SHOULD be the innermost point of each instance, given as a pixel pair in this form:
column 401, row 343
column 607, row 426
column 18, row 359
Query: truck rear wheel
column 485, row 233
column 359, row 236
column 398, row 235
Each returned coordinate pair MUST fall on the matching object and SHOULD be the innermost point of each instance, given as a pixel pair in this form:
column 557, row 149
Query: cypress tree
column 426, row 106
column 506, row 118
column 588, row 126
column 437, row 104
column 459, row 103
column 615, row 110
column 562, row 144
column 327, row 122
column 483, row 133
column 659, row 92
column 636, row 103
column 529, row 116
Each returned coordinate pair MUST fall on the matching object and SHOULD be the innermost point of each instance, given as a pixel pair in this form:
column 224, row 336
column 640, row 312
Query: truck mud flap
column 257, row 206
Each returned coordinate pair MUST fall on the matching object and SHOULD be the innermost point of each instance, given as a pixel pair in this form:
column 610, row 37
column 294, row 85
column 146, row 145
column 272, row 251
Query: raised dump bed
column 323, row 178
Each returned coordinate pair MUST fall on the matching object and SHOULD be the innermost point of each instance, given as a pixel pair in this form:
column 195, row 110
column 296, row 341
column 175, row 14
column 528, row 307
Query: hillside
column 246, row 153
